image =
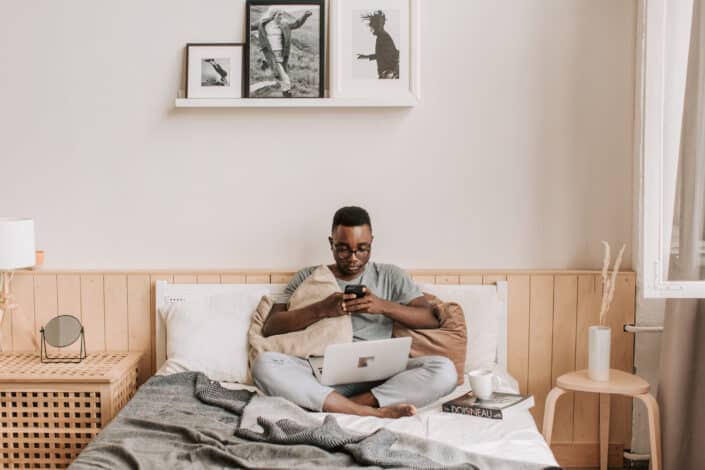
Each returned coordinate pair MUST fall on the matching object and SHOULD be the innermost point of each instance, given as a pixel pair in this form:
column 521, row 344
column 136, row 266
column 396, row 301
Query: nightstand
column 49, row 412
column 620, row 383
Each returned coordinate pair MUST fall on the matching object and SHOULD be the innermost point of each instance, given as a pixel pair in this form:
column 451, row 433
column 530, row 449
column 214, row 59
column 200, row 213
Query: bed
column 165, row 425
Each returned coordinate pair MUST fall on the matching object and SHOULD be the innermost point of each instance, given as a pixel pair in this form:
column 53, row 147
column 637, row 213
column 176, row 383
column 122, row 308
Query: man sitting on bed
column 391, row 296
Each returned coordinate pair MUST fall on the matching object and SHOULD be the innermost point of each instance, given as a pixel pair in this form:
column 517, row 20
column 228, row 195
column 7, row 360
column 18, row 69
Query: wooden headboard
column 548, row 316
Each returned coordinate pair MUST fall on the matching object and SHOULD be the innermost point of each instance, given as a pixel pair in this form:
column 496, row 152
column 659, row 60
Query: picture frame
column 356, row 26
column 214, row 70
column 285, row 49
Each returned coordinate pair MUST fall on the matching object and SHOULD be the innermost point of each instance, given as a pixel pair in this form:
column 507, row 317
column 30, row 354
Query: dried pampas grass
column 609, row 280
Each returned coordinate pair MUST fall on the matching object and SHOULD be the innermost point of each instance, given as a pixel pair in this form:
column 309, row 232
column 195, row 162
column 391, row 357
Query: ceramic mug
column 482, row 382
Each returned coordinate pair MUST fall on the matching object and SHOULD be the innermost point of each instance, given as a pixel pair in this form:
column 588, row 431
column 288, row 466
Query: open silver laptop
column 362, row 361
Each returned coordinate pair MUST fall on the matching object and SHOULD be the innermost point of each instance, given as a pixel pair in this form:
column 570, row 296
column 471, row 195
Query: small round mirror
column 62, row 331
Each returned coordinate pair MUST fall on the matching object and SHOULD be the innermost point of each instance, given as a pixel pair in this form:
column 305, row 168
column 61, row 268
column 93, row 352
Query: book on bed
column 497, row 407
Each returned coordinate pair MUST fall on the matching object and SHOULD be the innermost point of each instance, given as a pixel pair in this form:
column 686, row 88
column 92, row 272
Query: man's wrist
column 318, row 311
column 387, row 307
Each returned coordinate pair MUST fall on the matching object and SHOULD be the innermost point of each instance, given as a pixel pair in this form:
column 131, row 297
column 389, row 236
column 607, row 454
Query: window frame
column 664, row 54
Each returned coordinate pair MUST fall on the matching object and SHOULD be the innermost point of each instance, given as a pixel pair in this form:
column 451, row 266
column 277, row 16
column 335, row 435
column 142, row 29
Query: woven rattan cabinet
column 49, row 412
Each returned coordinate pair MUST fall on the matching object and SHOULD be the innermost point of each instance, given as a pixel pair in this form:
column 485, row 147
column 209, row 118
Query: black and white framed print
column 285, row 49
column 214, row 70
column 374, row 48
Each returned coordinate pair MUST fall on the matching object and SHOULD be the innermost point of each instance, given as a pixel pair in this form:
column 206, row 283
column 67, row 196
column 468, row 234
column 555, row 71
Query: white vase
column 599, row 340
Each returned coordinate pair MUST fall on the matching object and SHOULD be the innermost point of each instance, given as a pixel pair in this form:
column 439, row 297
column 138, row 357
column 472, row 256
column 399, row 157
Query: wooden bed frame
column 549, row 313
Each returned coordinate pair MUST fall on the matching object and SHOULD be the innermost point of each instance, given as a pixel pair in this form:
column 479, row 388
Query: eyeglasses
column 344, row 251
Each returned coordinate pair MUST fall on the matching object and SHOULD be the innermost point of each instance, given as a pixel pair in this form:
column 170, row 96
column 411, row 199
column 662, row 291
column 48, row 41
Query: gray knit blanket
column 188, row 421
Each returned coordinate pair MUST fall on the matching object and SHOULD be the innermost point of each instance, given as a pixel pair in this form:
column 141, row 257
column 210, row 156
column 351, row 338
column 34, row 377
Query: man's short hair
column 375, row 18
column 351, row 216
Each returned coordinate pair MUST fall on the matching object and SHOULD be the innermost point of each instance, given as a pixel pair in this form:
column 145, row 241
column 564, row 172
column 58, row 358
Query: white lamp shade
column 16, row 244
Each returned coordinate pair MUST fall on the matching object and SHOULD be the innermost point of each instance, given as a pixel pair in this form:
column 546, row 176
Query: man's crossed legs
column 425, row 380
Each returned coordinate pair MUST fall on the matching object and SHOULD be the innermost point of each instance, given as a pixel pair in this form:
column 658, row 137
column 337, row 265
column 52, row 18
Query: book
column 496, row 407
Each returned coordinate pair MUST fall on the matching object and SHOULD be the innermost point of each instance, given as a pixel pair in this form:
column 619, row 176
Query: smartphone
column 358, row 290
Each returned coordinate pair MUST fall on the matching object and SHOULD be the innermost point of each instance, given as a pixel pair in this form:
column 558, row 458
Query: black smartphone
column 358, row 290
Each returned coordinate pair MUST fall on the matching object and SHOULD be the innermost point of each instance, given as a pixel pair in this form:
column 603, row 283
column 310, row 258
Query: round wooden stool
column 620, row 383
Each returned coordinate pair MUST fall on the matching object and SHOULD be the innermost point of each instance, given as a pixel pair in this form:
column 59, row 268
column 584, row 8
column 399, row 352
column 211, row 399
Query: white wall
column 519, row 156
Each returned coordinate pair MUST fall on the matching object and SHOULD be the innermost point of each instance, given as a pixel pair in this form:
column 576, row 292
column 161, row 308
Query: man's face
column 351, row 247
column 376, row 25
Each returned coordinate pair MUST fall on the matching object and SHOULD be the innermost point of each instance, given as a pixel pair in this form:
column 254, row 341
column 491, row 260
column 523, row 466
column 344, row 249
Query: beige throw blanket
column 311, row 341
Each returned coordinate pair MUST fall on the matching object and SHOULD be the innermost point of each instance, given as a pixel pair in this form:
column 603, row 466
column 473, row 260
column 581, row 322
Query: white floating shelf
column 392, row 102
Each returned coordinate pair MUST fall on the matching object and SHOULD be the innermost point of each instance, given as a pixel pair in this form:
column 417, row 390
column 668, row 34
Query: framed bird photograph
column 214, row 70
column 284, row 56
column 374, row 48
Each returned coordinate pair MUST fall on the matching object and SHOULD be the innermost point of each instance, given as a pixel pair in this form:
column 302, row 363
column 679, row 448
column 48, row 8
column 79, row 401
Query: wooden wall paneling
column 518, row 303
column 565, row 312
column 6, row 331
column 93, row 308
column 447, row 279
column 549, row 313
column 23, row 336
column 586, row 405
column 69, row 294
column 231, row 278
column 68, row 291
column 117, row 327
column 470, row 279
column 423, row 279
column 152, row 365
column 540, row 341
column 586, row 454
column 138, row 306
column 45, row 303
column 184, row 279
column 622, row 354
column 493, row 278
column 257, row 279
column 281, row 278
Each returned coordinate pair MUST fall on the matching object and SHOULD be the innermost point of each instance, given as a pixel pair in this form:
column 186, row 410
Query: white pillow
column 207, row 331
column 482, row 306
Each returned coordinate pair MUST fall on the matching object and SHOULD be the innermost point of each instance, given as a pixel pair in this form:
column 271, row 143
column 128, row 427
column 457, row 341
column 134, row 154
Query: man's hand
column 362, row 56
column 308, row 13
column 335, row 304
column 370, row 303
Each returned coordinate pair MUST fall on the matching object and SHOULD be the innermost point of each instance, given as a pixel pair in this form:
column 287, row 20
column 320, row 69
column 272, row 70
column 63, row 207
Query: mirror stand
column 46, row 359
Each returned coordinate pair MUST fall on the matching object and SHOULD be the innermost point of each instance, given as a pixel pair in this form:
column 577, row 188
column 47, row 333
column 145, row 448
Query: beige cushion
column 449, row 340
column 311, row 341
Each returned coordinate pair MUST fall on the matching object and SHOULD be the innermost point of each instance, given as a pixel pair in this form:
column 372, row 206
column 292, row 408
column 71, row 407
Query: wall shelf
column 392, row 102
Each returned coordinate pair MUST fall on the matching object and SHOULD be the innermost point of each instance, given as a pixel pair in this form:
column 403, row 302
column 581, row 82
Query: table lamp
column 16, row 252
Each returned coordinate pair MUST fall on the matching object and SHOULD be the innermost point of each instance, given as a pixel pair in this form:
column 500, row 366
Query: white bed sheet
column 516, row 437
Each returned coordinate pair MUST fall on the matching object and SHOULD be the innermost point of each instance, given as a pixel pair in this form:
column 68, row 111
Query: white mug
column 482, row 382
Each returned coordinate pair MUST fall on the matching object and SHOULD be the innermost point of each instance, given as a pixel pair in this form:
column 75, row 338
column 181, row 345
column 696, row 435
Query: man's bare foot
column 397, row 411
column 337, row 403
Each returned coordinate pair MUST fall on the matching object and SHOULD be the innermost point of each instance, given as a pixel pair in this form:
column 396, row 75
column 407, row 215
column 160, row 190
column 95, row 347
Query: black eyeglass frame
column 341, row 250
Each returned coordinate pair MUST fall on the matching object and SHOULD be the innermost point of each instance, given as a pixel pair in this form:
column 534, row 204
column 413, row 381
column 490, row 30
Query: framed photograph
column 285, row 49
column 375, row 48
column 214, row 70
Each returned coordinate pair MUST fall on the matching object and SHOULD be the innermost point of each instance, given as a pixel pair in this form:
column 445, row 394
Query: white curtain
column 682, row 381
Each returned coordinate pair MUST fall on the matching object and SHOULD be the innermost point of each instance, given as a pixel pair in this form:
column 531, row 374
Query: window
column 673, row 148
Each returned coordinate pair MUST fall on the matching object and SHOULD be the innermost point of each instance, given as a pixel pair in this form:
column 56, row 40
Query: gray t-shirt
column 386, row 281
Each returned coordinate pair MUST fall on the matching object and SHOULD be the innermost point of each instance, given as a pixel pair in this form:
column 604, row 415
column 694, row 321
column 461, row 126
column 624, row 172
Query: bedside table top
column 620, row 382
column 95, row 368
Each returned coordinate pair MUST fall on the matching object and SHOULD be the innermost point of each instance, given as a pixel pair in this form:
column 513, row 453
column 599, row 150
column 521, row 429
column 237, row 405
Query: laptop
column 362, row 361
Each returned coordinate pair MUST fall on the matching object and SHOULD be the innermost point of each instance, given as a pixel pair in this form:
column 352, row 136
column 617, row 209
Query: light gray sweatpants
column 425, row 380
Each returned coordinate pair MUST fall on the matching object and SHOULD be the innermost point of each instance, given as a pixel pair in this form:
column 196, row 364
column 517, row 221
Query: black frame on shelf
column 321, row 47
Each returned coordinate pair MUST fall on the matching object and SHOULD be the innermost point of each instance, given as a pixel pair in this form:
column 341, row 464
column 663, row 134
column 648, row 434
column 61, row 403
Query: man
column 386, row 53
column 274, row 33
column 390, row 296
